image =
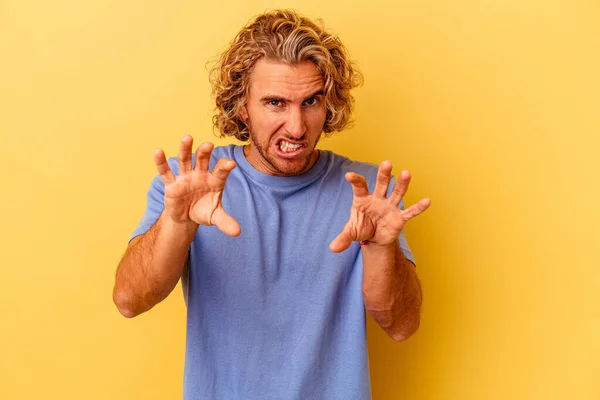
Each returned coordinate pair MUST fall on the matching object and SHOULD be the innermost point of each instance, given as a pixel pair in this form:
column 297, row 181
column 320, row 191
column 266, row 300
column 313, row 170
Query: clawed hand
column 194, row 195
column 373, row 217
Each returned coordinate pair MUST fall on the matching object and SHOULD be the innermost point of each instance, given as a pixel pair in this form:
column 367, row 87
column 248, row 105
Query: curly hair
column 288, row 37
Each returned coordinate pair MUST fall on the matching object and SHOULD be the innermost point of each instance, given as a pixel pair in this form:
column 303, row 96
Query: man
column 278, row 276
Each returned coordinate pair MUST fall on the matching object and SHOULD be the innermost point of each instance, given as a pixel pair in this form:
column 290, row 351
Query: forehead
column 289, row 81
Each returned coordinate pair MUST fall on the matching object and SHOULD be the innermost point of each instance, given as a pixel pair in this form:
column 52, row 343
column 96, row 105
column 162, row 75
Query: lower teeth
column 286, row 149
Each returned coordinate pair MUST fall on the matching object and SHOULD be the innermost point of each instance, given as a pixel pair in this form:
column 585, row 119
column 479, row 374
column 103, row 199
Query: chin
column 292, row 168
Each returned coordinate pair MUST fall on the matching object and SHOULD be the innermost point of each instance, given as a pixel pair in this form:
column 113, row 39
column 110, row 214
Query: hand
column 373, row 217
column 195, row 194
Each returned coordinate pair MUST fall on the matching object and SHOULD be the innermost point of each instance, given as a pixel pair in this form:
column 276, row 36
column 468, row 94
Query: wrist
column 380, row 250
column 375, row 245
column 188, row 227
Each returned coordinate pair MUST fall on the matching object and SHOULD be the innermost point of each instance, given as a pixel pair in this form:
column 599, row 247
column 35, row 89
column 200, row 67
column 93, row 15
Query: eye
column 275, row 103
column 311, row 101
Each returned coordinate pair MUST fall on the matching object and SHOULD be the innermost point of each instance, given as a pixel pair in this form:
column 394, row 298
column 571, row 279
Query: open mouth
column 289, row 149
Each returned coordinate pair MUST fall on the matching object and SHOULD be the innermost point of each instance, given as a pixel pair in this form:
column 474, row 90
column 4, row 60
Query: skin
column 284, row 103
column 391, row 288
column 153, row 262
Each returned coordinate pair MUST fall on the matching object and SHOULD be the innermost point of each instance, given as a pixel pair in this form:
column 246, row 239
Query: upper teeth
column 286, row 146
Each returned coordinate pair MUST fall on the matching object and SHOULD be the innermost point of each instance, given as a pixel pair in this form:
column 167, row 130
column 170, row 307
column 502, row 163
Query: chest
column 283, row 249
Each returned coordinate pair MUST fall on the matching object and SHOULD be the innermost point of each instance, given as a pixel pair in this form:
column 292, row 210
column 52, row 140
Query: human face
column 285, row 113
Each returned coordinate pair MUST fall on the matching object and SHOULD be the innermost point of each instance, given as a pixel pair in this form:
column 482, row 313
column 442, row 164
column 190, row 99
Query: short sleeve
column 154, row 206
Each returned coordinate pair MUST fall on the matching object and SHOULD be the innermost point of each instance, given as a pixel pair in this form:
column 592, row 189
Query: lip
column 290, row 154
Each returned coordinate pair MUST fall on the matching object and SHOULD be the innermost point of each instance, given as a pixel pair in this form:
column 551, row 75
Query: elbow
column 398, row 327
column 124, row 303
column 400, row 336
column 406, row 332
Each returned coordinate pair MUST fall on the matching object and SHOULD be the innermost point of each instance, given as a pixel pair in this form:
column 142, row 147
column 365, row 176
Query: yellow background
column 492, row 105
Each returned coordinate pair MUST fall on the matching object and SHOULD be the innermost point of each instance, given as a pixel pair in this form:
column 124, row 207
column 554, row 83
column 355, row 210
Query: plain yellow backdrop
column 492, row 105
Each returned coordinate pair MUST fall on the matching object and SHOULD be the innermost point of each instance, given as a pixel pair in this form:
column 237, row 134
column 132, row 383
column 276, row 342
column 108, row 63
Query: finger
column 416, row 209
column 342, row 241
column 223, row 168
column 203, row 156
column 359, row 184
column 185, row 155
column 226, row 223
column 163, row 167
column 384, row 175
column 400, row 188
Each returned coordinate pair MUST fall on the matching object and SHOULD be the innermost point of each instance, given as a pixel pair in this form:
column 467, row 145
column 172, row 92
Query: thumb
column 225, row 222
column 342, row 241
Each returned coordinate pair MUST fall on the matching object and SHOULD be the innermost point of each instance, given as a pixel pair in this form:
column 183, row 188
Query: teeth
column 288, row 147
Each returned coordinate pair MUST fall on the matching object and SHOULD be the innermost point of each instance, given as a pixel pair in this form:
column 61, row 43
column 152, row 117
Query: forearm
column 391, row 290
column 152, row 266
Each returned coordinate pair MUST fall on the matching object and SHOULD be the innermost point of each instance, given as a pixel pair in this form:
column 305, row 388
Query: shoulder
column 347, row 163
column 343, row 165
column 223, row 151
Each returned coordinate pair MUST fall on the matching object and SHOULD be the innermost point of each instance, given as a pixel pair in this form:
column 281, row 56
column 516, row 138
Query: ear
column 244, row 113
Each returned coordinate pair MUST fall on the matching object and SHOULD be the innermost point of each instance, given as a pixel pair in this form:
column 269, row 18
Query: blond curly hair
column 288, row 37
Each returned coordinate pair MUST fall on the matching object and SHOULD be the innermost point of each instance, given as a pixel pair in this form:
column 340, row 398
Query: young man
column 283, row 256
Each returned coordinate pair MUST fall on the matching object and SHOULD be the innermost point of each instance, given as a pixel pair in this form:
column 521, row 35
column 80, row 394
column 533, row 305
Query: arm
column 391, row 289
column 152, row 266
column 154, row 261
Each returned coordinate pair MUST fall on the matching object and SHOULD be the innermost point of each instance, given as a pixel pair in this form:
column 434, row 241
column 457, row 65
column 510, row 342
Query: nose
column 296, row 124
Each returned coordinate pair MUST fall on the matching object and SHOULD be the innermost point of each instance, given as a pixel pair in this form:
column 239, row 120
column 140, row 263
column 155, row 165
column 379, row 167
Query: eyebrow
column 271, row 97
